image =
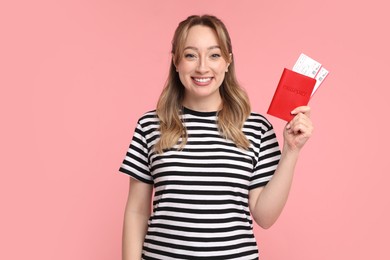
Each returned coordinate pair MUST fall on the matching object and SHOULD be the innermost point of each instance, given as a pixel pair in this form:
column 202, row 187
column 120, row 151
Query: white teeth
column 202, row 80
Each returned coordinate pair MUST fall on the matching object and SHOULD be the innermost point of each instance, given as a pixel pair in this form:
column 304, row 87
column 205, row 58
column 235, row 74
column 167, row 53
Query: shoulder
column 147, row 123
column 259, row 120
column 148, row 117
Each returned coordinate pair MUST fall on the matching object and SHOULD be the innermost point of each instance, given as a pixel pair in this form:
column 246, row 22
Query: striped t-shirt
column 200, row 205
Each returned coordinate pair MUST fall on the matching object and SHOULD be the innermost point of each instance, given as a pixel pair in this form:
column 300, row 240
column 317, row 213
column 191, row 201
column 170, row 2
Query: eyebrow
column 196, row 49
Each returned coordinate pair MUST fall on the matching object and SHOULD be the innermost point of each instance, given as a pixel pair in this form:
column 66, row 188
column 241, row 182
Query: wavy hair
column 235, row 103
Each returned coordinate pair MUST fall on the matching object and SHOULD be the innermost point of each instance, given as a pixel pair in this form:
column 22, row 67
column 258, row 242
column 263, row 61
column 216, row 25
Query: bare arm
column 137, row 213
column 266, row 203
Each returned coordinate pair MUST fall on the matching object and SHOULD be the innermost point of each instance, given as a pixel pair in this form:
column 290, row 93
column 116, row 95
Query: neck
column 204, row 105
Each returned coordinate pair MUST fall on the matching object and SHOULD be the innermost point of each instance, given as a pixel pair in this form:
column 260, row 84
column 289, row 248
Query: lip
column 202, row 81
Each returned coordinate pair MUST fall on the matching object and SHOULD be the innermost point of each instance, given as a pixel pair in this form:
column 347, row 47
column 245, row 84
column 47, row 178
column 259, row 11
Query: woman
column 214, row 165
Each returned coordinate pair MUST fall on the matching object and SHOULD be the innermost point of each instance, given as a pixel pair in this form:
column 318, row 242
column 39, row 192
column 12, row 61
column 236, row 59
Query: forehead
column 200, row 36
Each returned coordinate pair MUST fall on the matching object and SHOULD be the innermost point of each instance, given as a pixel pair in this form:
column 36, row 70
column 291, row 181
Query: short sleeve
column 267, row 160
column 136, row 163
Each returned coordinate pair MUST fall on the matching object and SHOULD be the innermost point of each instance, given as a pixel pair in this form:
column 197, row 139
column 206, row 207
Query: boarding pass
column 311, row 68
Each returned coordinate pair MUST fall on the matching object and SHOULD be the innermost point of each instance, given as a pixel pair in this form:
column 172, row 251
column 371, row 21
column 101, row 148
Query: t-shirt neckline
column 186, row 110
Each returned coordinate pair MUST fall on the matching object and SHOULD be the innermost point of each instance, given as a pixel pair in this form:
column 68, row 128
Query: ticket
column 311, row 68
column 320, row 78
column 307, row 66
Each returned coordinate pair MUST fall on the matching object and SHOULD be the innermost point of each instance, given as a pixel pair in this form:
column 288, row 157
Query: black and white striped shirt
column 200, row 205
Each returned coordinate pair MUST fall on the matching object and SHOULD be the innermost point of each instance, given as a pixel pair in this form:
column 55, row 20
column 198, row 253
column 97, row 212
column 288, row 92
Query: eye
column 215, row 55
column 189, row 56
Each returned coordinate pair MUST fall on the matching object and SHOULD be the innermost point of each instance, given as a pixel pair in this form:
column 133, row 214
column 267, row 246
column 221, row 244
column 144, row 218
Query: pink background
column 76, row 75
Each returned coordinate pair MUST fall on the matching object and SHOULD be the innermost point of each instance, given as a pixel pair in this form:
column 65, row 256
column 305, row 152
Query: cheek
column 221, row 71
column 183, row 69
column 221, row 68
column 182, row 79
column 183, row 75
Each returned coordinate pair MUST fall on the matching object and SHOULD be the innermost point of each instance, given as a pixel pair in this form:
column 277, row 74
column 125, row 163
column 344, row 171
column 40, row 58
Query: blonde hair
column 235, row 103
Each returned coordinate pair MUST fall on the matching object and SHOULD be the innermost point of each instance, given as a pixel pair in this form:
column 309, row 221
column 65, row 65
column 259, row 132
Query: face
column 202, row 69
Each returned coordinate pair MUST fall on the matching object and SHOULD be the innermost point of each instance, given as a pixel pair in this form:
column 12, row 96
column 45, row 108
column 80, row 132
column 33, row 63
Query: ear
column 230, row 61
column 173, row 61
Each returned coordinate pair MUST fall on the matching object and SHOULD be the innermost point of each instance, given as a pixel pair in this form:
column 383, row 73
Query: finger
column 302, row 117
column 296, row 118
column 300, row 124
column 303, row 127
column 302, row 109
column 299, row 116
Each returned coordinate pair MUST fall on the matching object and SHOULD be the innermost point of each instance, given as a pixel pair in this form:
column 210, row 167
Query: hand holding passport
column 296, row 86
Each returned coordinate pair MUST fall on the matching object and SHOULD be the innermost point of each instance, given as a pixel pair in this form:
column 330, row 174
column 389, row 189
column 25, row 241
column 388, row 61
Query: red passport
column 293, row 90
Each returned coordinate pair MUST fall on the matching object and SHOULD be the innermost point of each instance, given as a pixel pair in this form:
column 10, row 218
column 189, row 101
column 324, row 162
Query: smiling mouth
column 202, row 80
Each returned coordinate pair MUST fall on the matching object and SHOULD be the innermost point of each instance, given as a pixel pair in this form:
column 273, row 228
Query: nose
column 202, row 66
